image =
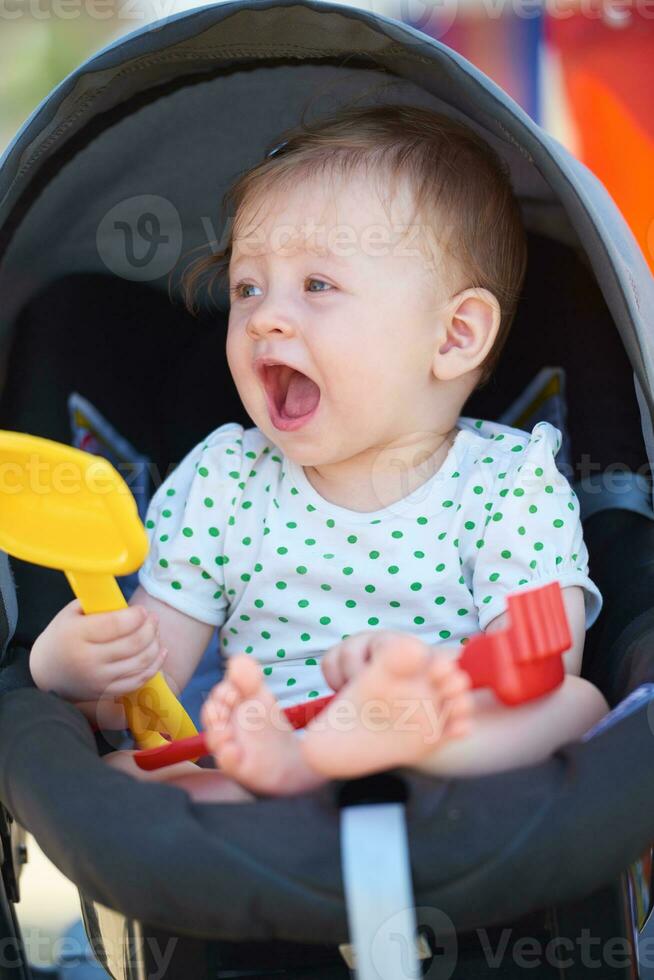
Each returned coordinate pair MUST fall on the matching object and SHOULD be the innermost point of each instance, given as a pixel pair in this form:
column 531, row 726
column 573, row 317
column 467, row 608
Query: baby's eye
column 235, row 291
column 321, row 281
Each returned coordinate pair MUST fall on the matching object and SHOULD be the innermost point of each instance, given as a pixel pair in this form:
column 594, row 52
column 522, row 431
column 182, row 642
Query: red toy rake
column 519, row 663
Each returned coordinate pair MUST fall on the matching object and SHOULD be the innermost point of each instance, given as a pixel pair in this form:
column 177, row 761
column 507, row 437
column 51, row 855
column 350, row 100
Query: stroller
column 102, row 193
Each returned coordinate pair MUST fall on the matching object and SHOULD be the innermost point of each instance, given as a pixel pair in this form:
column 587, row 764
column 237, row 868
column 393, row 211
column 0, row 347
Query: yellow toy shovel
column 67, row 509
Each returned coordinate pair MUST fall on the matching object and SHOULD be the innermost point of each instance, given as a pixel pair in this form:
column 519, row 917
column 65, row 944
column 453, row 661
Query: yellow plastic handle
column 68, row 509
column 153, row 708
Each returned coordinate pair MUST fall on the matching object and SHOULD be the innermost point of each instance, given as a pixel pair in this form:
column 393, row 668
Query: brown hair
column 458, row 181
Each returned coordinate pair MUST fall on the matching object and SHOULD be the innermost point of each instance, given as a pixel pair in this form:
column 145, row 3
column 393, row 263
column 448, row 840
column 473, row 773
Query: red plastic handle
column 522, row 662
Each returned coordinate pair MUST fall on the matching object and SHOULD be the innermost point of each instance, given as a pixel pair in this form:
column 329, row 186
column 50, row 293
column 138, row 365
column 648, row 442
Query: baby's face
column 325, row 281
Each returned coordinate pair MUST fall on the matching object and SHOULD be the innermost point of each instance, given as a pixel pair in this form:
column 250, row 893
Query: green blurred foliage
column 37, row 51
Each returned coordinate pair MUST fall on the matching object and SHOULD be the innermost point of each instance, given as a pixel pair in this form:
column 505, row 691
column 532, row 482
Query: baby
column 363, row 529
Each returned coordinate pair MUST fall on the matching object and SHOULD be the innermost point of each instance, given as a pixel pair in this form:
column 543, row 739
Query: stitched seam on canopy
column 298, row 51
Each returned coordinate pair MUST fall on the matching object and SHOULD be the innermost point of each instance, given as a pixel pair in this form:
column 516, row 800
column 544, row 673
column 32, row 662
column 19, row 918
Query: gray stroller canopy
column 163, row 121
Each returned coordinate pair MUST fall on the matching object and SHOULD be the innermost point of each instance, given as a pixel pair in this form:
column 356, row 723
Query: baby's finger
column 131, row 646
column 125, row 684
column 130, row 666
column 105, row 627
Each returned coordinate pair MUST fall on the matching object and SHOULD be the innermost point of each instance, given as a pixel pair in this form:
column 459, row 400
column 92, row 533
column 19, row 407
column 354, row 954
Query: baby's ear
column 467, row 331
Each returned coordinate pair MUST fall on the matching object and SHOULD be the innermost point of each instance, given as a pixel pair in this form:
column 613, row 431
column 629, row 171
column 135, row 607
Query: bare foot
column 396, row 711
column 251, row 738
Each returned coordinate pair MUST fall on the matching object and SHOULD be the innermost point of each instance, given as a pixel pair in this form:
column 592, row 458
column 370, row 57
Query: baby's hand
column 101, row 655
column 346, row 659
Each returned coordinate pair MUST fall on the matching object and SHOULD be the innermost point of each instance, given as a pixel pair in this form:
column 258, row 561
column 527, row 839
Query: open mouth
column 292, row 396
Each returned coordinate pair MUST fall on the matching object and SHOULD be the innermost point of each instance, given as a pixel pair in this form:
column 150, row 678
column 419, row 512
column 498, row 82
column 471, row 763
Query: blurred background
column 582, row 69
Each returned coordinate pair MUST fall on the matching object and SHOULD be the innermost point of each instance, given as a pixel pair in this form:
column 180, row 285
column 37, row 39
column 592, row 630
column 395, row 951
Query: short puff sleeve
column 185, row 523
column 533, row 533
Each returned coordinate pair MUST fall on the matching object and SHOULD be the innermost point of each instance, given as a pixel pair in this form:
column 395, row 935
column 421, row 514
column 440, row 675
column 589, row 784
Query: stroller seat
column 545, row 851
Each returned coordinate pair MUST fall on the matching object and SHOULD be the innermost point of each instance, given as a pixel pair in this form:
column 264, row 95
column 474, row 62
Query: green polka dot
column 194, row 560
column 478, row 489
column 282, row 550
column 350, row 603
column 331, row 522
column 309, row 541
column 313, row 694
column 305, row 636
column 518, row 492
column 439, row 600
column 267, row 671
column 487, row 459
column 352, row 538
column 418, row 620
column 538, row 471
column 164, row 537
column 533, row 508
column 281, row 585
column 416, row 586
column 291, row 524
column 373, row 554
column 325, row 620
column 258, row 603
column 348, row 570
column 373, row 621
column 538, row 546
column 208, row 502
column 163, row 563
column 303, row 603
column 176, row 585
column 522, row 530
column 311, row 662
column 393, row 569
column 549, row 488
column 494, row 576
column 281, row 653
column 397, row 534
column 166, row 513
column 557, row 523
column 462, row 612
column 418, row 554
column 469, row 525
column 326, row 588
column 447, row 503
column 422, row 520
column 369, row 588
column 214, row 532
column 170, row 493
column 444, row 634
column 505, row 554
column 440, row 567
column 203, row 471
column 301, row 569
column 533, row 563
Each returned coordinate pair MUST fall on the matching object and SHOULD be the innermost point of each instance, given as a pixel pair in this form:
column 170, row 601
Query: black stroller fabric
column 484, row 850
